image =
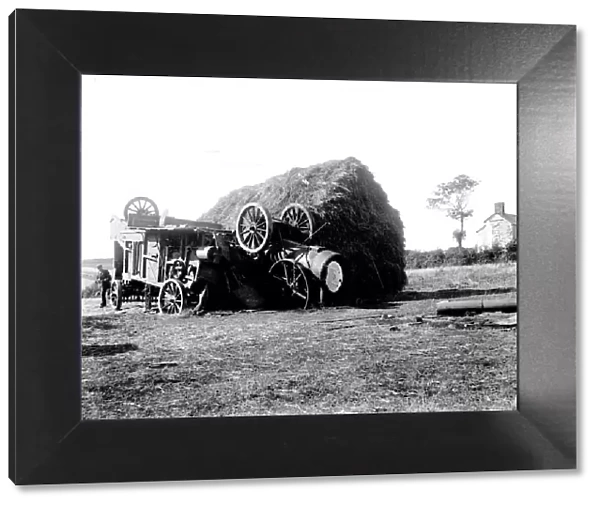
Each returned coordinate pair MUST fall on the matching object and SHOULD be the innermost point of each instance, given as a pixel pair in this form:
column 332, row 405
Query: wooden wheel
column 292, row 281
column 299, row 217
column 116, row 294
column 253, row 228
column 171, row 298
column 140, row 205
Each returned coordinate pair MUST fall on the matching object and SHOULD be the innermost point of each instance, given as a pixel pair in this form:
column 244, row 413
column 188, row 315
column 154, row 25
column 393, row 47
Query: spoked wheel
column 253, row 228
column 292, row 281
column 116, row 294
column 299, row 217
column 141, row 205
column 171, row 298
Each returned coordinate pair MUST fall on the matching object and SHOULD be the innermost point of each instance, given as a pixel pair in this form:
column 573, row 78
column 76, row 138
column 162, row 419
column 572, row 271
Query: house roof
column 511, row 218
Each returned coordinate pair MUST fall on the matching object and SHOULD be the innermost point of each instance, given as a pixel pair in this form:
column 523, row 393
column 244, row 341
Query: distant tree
column 453, row 199
column 459, row 236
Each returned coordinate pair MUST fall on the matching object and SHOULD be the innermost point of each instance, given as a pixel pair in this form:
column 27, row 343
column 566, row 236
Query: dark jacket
column 104, row 277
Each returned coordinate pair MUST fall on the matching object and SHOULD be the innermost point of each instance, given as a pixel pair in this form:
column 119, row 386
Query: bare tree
column 453, row 198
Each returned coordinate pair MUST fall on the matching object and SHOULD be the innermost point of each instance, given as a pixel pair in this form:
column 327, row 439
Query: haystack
column 352, row 216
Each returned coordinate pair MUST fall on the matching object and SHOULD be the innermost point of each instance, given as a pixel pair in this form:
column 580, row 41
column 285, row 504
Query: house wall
column 502, row 232
column 496, row 231
column 484, row 237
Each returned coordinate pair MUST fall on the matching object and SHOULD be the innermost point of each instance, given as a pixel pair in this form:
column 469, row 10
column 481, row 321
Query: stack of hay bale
column 352, row 216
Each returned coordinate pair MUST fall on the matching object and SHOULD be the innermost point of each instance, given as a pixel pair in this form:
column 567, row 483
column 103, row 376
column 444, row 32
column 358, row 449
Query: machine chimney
column 499, row 207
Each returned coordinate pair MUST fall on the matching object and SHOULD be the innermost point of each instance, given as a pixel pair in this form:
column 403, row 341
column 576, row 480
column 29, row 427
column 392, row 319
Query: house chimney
column 499, row 208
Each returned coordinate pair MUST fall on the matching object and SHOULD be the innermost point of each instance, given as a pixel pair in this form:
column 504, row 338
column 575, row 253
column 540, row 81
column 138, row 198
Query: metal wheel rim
column 294, row 280
column 170, row 298
column 298, row 216
column 141, row 205
column 114, row 294
column 253, row 228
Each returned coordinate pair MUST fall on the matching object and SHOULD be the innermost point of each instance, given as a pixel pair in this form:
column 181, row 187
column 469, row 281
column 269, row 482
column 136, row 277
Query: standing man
column 103, row 279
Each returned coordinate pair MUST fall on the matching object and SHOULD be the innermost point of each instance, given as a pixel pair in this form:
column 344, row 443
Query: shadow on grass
column 104, row 350
column 96, row 323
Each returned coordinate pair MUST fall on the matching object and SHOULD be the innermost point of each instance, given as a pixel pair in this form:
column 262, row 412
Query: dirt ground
column 397, row 357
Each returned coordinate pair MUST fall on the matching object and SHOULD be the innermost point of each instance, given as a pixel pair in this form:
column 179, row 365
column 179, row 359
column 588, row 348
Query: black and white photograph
column 286, row 249
column 297, row 247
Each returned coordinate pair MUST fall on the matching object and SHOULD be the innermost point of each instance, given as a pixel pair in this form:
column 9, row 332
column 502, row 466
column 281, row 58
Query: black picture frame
column 50, row 50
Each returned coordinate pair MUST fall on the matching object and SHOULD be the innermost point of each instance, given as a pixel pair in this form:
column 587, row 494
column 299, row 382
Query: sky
column 185, row 142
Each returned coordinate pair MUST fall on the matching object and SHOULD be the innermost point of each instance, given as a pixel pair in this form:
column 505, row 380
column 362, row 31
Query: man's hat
column 99, row 266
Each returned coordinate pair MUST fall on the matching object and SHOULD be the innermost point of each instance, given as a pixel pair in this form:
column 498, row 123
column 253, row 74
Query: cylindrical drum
column 326, row 265
column 206, row 253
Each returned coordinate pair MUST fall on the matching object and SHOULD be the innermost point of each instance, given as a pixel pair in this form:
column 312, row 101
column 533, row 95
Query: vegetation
column 90, row 291
column 91, row 263
column 453, row 198
column 471, row 277
column 456, row 256
column 342, row 360
column 89, row 286
column 351, row 213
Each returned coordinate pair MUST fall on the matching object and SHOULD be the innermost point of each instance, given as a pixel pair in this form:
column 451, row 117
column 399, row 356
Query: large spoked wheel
column 141, row 205
column 116, row 294
column 253, row 228
column 293, row 282
column 296, row 215
column 171, row 298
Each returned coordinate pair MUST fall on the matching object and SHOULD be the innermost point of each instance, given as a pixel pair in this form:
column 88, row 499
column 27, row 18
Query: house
column 499, row 229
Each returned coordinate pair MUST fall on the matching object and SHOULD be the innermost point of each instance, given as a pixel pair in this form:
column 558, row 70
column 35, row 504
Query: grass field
column 483, row 277
column 89, row 270
column 91, row 263
column 397, row 358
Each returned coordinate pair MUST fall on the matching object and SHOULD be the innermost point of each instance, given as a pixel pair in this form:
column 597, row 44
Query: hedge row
column 454, row 256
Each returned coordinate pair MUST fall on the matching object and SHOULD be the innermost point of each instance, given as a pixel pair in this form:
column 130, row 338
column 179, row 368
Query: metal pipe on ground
column 463, row 307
